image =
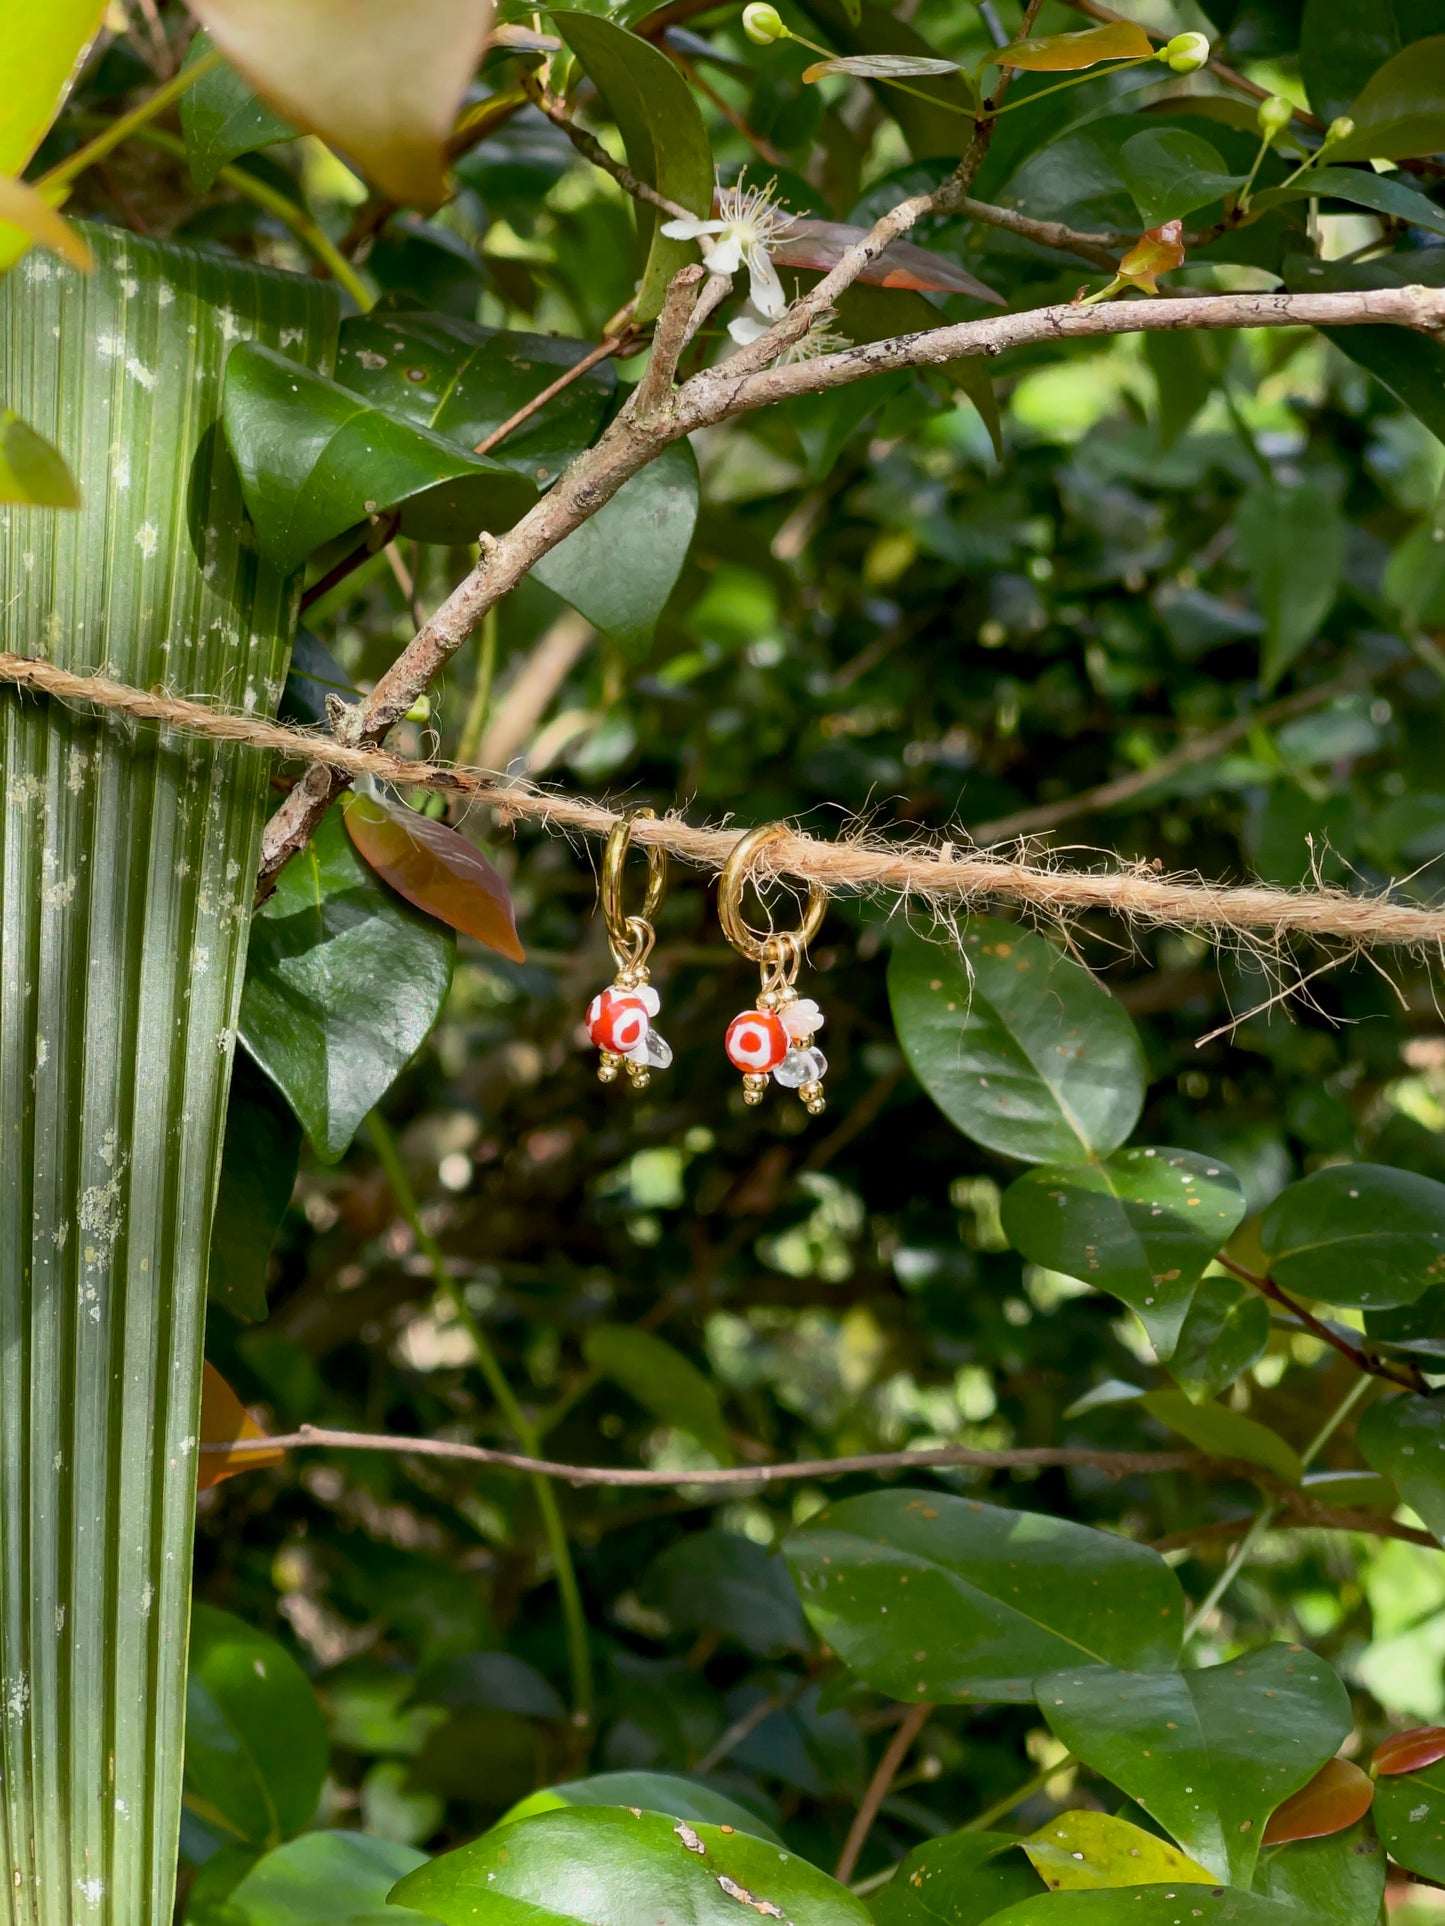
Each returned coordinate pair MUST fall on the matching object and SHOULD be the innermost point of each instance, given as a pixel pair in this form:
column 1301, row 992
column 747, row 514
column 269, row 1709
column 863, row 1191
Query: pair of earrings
column 772, row 1039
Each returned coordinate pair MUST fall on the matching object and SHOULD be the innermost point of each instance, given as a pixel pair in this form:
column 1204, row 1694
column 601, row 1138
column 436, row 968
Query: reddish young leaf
column 1335, row 1798
column 1409, row 1751
column 1157, row 250
column 1057, row 53
column 820, row 245
column 224, row 1420
column 435, row 868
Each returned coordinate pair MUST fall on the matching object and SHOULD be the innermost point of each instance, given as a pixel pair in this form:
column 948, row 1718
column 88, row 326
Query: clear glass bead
column 801, row 1066
column 659, row 1050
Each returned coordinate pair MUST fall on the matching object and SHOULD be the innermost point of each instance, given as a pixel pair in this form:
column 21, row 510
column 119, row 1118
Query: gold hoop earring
column 619, row 1020
column 775, row 1037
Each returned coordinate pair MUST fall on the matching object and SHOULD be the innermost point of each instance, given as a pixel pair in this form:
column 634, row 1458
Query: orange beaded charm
column 775, row 1038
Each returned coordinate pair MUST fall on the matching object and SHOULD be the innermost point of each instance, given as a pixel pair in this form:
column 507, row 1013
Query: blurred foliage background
column 879, row 620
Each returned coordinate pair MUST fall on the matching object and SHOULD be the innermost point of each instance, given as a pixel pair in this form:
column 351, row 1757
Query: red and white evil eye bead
column 617, row 1020
column 757, row 1041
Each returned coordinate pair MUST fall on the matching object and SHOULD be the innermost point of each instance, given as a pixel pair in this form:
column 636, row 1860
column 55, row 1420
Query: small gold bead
column 627, row 979
column 751, row 1096
column 815, row 1106
column 767, row 1000
column 638, row 1077
column 607, row 1070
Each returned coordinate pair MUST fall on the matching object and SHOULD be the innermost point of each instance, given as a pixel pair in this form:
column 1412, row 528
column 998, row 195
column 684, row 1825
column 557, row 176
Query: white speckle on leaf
column 147, row 539
column 17, row 1696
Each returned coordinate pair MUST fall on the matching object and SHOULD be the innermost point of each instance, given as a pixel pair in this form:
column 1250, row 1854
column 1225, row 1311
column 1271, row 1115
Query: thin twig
column 592, row 149
column 602, row 352
column 1115, row 1464
column 1304, row 1512
column 1103, row 250
column 895, row 1752
column 1409, row 1376
column 757, row 1714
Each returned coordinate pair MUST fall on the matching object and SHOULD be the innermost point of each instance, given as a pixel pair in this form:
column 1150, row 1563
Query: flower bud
column 1275, row 114
column 1339, row 129
column 763, row 24
column 1186, row 53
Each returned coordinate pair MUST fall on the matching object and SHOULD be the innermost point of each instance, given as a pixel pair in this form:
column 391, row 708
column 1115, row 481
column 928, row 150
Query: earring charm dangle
column 619, row 1019
column 775, row 1038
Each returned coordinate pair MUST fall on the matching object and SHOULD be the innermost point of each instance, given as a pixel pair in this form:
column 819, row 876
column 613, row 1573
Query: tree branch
column 670, row 336
column 716, row 394
column 1115, row 1464
column 1103, row 250
column 1408, row 1376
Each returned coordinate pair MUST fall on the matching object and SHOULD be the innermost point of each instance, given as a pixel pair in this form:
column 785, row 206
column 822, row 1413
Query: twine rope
column 940, row 872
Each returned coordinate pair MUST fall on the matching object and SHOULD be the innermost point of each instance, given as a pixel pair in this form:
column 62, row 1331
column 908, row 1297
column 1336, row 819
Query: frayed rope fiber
column 943, row 874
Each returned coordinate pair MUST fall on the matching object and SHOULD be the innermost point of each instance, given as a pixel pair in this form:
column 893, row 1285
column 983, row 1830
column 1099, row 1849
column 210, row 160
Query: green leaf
column 1143, row 1225
column 316, row 460
column 654, row 1791
column 258, row 1174
column 618, row 569
column 595, row 1863
column 221, row 117
column 1149, row 1906
column 1225, row 1434
column 1400, row 110
column 1291, row 538
column 256, row 1745
column 1077, row 1850
column 1208, row 1754
column 1056, row 53
column 1016, row 1043
column 42, row 50
column 661, row 1380
column 1338, row 1881
column 1171, row 172
column 1404, row 1438
column 934, row 115
column 1357, row 1234
column 960, row 1880
column 1338, row 41
column 115, row 1119
column 1409, row 1812
column 661, row 128
column 1418, row 1328
column 926, row 1596
column 343, row 983
column 32, row 471
column 463, row 381
column 325, row 1879
column 1382, row 193
column 1224, row 1332
column 1409, row 365
column 719, row 1581
column 1184, row 373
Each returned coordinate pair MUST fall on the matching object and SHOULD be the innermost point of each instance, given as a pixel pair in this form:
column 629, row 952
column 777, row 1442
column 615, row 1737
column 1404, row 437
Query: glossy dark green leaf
column 1410, row 1817
column 1077, row 1851
column 32, row 471
column 661, row 1792
column 1417, row 1328
column 463, row 381
column 1185, row 372
column 1225, row 1331
column 927, row 1596
column 1291, row 539
column 594, row 1864
column 1400, row 110
column 719, row 1581
column 436, row 869
column 1016, row 1043
column 1225, row 1434
column 1207, row 1754
column 618, row 569
column 1171, row 172
column 661, row 1380
column 258, row 1173
column 256, row 1745
column 417, row 264
column 1150, row 1906
column 315, row 460
column 344, row 981
column 933, row 115
column 325, row 1879
column 221, row 117
column 1143, row 1224
column 489, row 1682
column 314, row 675
column 1381, row 193
column 960, row 1880
column 1404, row 1437
column 1338, row 1881
column 1340, row 41
column 1357, row 1234
column 662, row 130
column 1410, row 365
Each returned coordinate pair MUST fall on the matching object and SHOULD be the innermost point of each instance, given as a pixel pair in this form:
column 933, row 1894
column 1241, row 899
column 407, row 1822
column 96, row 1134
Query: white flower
column 749, row 224
column 748, row 326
